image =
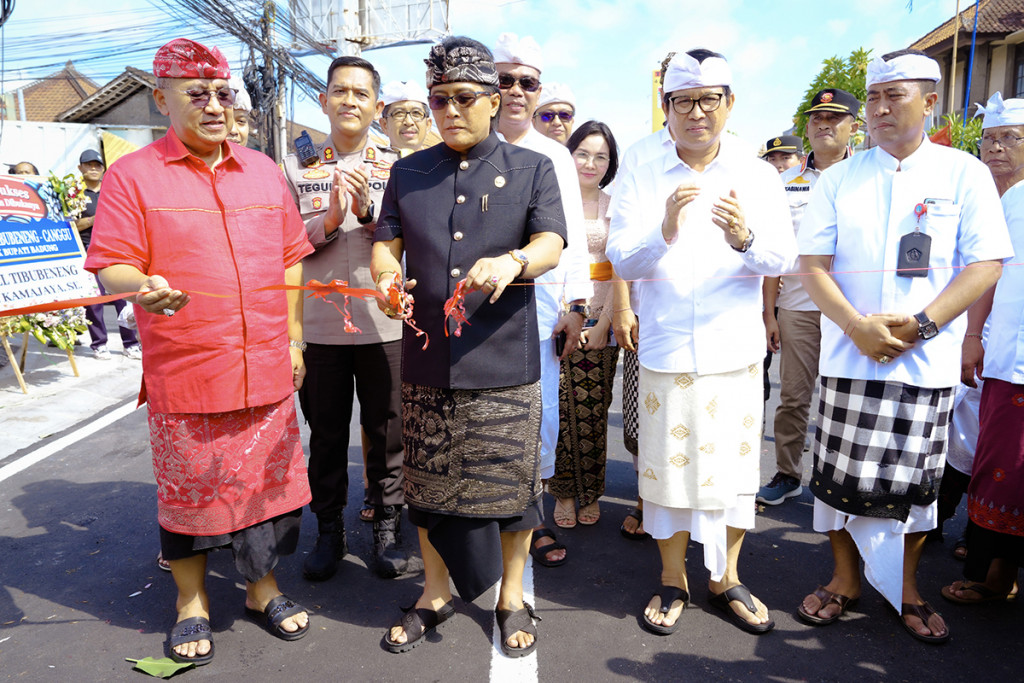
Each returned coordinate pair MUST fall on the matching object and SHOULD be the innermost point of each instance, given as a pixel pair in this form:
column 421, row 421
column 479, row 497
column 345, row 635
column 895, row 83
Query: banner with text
column 41, row 254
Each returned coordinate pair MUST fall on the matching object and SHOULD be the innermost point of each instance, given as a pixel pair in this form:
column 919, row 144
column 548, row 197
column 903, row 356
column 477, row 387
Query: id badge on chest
column 915, row 249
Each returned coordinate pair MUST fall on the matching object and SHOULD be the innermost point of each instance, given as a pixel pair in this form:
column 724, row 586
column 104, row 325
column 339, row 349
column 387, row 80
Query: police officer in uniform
column 338, row 192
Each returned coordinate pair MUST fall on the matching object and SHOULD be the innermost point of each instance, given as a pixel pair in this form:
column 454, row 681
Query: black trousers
column 333, row 373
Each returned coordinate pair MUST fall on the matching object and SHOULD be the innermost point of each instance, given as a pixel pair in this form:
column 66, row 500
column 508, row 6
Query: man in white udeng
column 883, row 245
column 699, row 224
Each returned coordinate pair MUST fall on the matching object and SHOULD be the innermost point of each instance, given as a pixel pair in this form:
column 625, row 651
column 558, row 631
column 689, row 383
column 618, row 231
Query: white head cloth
column 515, row 50
column 1000, row 112
column 242, row 99
column 556, row 92
column 686, row 72
column 903, row 68
column 400, row 91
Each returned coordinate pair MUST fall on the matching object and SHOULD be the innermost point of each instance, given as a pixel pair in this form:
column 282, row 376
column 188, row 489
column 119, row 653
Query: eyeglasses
column 1006, row 140
column 549, row 116
column 201, row 98
column 708, row 103
column 463, row 99
column 583, row 158
column 414, row 115
column 527, row 83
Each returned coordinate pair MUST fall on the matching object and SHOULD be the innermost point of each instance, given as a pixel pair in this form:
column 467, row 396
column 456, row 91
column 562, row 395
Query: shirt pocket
column 941, row 223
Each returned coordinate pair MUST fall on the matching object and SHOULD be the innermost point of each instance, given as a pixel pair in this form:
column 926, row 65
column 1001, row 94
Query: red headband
column 184, row 58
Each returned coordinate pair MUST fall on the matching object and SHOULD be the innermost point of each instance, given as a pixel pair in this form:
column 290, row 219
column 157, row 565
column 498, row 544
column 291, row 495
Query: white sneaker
column 133, row 352
column 101, row 353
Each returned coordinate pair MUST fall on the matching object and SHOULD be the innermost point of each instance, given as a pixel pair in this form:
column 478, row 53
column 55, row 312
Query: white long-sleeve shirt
column 700, row 302
column 1004, row 352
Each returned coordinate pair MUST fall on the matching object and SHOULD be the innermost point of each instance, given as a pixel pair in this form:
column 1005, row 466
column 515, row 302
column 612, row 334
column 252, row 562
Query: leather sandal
column 418, row 623
column 192, row 630
column 741, row 593
column 274, row 614
column 540, row 553
column 668, row 595
column 510, row 622
column 826, row 597
column 638, row 515
column 984, row 593
column 922, row 612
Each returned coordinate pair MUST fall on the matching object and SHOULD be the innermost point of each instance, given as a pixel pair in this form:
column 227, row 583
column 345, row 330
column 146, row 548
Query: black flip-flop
column 668, row 595
column 274, row 614
column 741, row 593
column 191, row 630
column 512, row 621
column 638, row 515
column 418, row 623
column 540, row 554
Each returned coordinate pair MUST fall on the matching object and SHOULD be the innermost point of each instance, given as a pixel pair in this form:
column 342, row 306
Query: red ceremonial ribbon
column 455, row 308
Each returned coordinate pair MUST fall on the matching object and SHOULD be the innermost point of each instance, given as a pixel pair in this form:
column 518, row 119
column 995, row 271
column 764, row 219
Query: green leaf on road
column 162, row 668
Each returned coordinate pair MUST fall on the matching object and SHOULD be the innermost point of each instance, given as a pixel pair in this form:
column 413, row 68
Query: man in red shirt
column 190, row 213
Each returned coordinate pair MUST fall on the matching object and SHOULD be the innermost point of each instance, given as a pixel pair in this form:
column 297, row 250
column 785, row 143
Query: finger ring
column 884, row 359
column 732, row 222
column 494, row 280
column 168, row 312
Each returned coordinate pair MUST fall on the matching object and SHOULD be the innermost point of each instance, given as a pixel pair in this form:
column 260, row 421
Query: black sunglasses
column 563, row 116
column 463, row 99
column 527, row 83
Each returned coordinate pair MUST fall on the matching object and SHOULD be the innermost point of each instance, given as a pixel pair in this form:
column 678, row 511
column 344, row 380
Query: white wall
column 50, row 146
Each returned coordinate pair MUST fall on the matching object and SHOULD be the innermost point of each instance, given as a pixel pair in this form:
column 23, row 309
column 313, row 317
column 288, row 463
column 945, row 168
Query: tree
column 848, row 74
column 962, row 133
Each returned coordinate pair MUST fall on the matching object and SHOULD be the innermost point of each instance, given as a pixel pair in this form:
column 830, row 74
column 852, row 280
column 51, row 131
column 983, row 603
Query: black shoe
column 331, row 547
column 389, row 561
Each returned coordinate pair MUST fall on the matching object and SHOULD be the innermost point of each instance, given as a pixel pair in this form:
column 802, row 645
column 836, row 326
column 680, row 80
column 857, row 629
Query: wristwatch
column 368, row 218
column 521, row 258
column 300, row 345
column 746, row 243
column 581, row 309
column 926, row 327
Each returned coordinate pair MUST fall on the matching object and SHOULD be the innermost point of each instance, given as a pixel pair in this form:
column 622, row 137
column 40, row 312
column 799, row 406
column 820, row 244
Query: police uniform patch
column 328, row 153
column 316, row 174
column 371, row 154
column 382, row 173
column 317, row 203
column 826, row 97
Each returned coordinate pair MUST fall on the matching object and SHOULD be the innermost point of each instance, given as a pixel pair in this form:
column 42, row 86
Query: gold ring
column 884, row 359
column 732, row 222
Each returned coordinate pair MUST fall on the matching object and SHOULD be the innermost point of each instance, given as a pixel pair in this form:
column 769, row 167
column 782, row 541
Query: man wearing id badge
column 895, row 245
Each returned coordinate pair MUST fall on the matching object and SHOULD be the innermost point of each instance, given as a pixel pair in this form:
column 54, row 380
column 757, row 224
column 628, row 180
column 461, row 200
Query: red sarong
column 995, row 498
column 220, row 472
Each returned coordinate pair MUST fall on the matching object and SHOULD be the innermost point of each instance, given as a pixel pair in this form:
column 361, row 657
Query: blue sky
column 605, row 50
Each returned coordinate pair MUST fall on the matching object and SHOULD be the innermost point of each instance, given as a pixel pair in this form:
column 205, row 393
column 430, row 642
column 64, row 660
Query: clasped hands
column 883, row 336
column 726, row 213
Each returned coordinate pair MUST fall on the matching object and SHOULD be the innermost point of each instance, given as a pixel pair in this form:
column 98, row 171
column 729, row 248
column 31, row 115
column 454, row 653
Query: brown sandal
column 826, row 597
column 922, row 612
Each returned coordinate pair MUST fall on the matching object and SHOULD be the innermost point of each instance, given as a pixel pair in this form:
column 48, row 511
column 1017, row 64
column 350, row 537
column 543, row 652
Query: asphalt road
column 81, row 591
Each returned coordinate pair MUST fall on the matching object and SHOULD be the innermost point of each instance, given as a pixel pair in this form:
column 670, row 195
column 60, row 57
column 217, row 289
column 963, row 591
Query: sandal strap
column 543, row 532
column 922, row 612
column 512, row 621
column 281, row 608
column 741, row 593
column 191, row 630
column 637, row 514
column 825, row 597
column 670, row 594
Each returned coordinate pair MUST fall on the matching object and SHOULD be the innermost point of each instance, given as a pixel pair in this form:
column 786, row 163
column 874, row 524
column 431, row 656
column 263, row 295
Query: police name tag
column 915, row 250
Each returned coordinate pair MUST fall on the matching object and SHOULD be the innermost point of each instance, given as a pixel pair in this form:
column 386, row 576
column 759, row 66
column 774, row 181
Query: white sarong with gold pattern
column 699, row 455
column 700, row 437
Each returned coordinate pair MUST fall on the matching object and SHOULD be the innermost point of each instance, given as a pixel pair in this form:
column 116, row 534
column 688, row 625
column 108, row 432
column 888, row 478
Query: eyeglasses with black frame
column 527, row 83
column 708, row 103
column 201, row 98
column 414, row 115
column 549, row 116
column 1006, row 140
column 463, row 100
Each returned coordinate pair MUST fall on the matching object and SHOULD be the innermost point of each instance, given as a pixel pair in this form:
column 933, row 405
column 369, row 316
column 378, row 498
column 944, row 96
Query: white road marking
column 66, row 441
column 523, row 669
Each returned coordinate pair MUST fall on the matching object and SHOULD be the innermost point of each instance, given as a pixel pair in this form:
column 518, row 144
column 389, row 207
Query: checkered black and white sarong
column 880, row 446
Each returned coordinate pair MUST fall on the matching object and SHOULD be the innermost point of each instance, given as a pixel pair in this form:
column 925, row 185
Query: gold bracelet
column 384, row 272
